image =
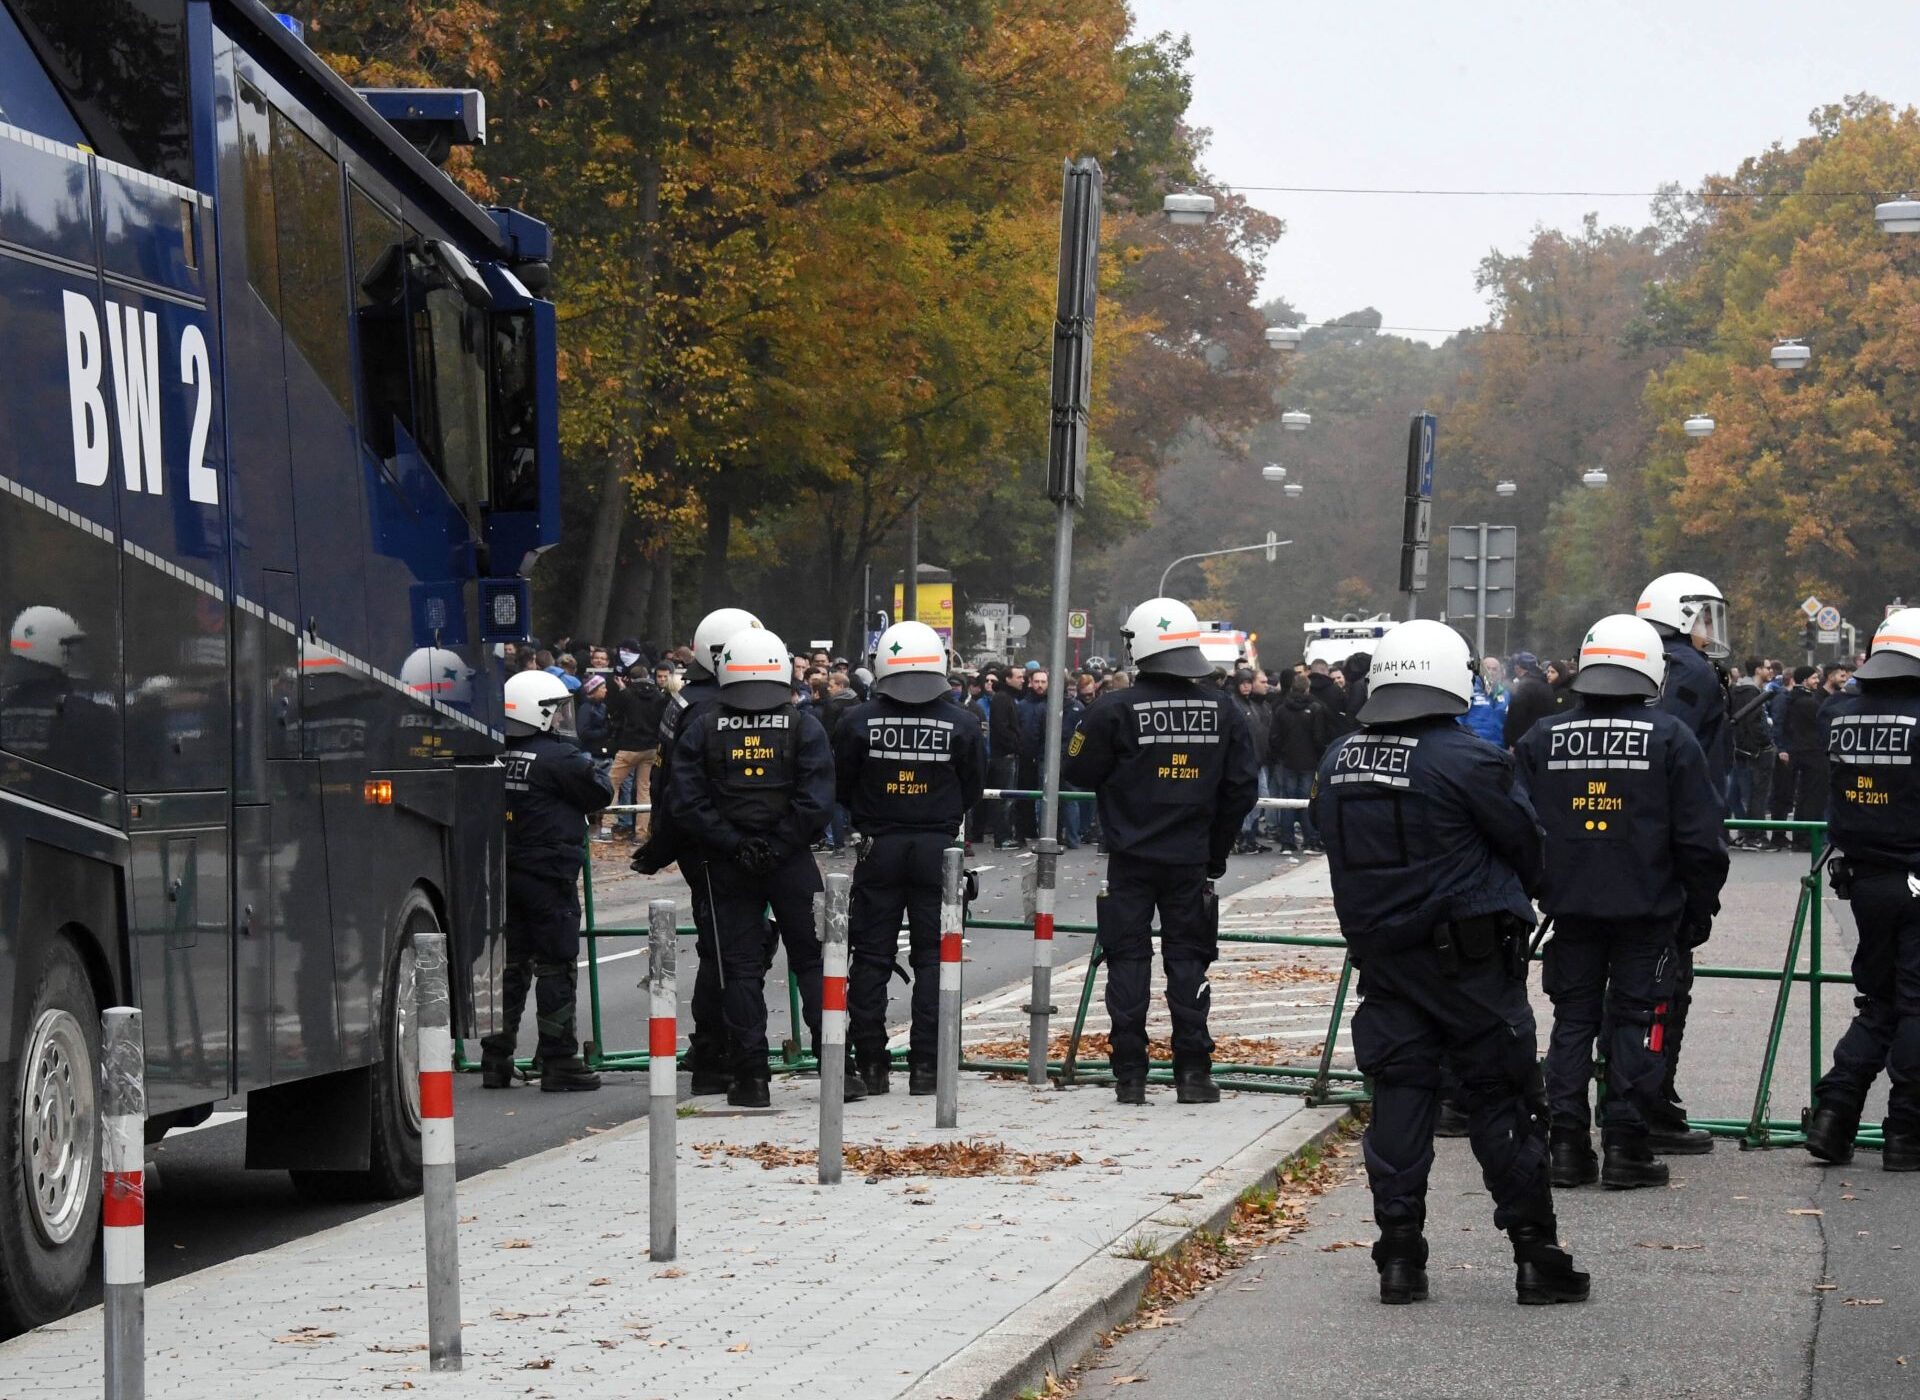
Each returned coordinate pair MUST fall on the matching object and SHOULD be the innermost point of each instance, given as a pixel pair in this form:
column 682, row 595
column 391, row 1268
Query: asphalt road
column 1754, row 1274
column 203, row 1206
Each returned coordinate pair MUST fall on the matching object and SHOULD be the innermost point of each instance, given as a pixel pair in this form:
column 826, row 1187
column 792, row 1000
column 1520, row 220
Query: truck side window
column 380, row 315
column 516, row 414
column 121, row 66
column 256, row 190
column 450, row 365
column 313, row 255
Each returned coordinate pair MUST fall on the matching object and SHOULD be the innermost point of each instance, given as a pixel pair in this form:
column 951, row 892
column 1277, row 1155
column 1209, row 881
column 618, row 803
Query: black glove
column 756, row 855
column 650, row 859
column 1216, row 867
column 1695, row 929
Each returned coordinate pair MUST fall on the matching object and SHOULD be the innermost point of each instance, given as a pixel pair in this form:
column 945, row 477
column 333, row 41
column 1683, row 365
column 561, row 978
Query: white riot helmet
column 47, row 636
column 534, row 701
column 716, row 629
column 1163, row 639
column 1420, row 668
column 434, row 673
column 1895, row 652
column 754, row 671
column 1621, row 655
column 910, row 663
column 1690, row 606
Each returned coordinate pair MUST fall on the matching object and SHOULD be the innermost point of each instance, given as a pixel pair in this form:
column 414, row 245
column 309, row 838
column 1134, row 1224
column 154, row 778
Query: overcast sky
column 1491, row 95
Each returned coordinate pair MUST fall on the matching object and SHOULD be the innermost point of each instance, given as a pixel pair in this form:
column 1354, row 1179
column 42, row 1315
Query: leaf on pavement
column 1126, row 1380
column 1662, row 1244
column 305, row 1336
column 515, row 1244
column 539, row 1363
column 1862, row 1302
column 740, row 1346
column 511, row 1315
column 671, row 1273
column 398, row 1348
column 1343, row 1244
column 1805, row 1210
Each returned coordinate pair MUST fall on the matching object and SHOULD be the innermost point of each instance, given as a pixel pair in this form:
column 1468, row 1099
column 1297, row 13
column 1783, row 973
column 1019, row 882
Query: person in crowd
column 1560, row 676
column 591, row 730
column 1873, row 819
column 1806, row 761
column 1003, row 743
column 1528, row 701
column 1486, row 715
column 1634, row 867
column 1301, row 730
column 1176, row 773
column 1431, row 854
column 839, row 702
column 1356, row 668
column 1076, row 815
column 553, row 788
column 910, row 763
column 1753, row 761
column 1493, row 679
column 1259, row 730
column 1033, row 732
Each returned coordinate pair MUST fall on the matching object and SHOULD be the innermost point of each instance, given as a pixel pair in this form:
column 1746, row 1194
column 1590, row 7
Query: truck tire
column 50, row 1204
column 393, row 1166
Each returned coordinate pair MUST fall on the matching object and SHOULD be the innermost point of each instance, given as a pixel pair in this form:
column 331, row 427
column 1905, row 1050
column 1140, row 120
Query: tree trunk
column 632, row 588
column 610, row 513
column 714, row 590
column 660, row 598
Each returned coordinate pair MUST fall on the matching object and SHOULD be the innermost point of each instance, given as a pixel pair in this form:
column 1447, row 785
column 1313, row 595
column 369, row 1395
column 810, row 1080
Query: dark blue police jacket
column 1873, row 807
column 1693, row 696
column 1422, row 827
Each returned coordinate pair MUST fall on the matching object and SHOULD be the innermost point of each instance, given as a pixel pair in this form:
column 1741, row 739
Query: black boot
column 1451, row 1122
column 1630, row 1163
column 568, row 1075
column 1669, row 1136
column 1544, row 1272
column 496, row 1068
column 1900, row 1152
column 708, row 1080
column 875, row 1071
column 748, row 1092
column 922, row 1080
column 853, row 1088
column 1133, row 1091
column 1400, row 1254
column 1830, row 1132
column 1571, row 1161
column 1195, row 1086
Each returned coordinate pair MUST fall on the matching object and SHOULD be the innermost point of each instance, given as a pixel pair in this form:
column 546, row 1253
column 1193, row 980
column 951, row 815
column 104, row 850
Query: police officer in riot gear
column 1873, row 819
column 1430, row 851
column 1634, row 864
column 1690, row 614
column 552, row 788
column 752, row 786
column 1173, row 763
column 909, row 764
column 708, row 1056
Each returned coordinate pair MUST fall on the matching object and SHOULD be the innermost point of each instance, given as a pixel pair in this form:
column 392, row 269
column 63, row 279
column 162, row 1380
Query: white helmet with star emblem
column 910, row 663
column 434, row 673
column 754, row 671
column 1163, row 638
column 716, row 629
column 1895, row 652
column 47, row 636
column 1621, row 656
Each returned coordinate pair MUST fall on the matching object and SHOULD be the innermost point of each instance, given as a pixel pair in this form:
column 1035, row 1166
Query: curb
column 1061, row 1327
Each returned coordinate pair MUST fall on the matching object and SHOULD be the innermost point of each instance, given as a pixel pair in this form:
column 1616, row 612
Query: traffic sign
column 1828, row 636
column 1077, row 626
column 1273, row 552
column 1827, row 619
column 1019, row 625
column 1811, row 606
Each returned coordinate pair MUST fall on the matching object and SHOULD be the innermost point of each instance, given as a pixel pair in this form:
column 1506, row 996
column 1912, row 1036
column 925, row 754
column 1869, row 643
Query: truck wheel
column 50, row 1198
column 393, row 1167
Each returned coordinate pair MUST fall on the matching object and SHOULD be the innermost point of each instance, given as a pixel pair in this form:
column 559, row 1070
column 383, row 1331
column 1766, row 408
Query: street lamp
column 1273, row 471
column 1285, row 339
column 1789, row 355
column 1188, row 207
column 1698, row 426
column 1505, row 488
column 1294, row 421
column 1293, row 488
column 1594, row 478
column 1900, row 215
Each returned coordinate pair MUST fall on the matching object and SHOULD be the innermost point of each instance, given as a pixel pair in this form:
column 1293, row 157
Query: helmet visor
column 562, row 710
column 1710, row 626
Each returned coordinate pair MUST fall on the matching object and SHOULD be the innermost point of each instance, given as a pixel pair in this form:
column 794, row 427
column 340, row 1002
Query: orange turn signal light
column 379, row 792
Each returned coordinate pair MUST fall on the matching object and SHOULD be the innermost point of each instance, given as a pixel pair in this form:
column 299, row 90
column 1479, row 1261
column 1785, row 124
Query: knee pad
column 1393, row 1178
column 553, row 968
column 1634, row 1011
column 1407, row 1074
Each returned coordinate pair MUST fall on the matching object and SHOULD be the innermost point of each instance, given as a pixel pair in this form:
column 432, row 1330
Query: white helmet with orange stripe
column 1895, row 652
column 1621, row 655
column 910, row 663
column 46, row 635
column 1690, row 606
column 1163, row 638
column 754, row 671
column 534, row 702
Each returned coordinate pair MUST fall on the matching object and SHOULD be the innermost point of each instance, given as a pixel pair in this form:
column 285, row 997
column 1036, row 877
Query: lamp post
column 1698, row 426
column 1293, row 489
column 1273, row 471
column 1188, row 207
column 1789, row 355
column 1285, row 339
column 1296, row 421
column 1900, row 215
column 1594, row 478
column 1505, row 489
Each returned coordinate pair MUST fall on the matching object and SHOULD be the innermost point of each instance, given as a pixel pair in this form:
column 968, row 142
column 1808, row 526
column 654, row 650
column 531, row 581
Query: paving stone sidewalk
column 782, row 1286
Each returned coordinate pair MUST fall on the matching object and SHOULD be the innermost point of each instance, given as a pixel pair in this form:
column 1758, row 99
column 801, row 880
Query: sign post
column 1418, row 525
column 1481, row 574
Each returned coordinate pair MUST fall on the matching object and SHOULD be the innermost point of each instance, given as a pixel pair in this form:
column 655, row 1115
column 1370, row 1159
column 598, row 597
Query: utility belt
column 1479, row 937
column 1844, row 872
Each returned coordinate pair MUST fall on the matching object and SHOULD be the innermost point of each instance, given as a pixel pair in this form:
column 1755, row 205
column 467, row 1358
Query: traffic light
column 1813, row 640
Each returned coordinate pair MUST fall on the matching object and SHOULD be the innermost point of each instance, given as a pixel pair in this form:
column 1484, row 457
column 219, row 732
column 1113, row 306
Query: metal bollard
column 946, row 1083
column 433, row 1036
column 663, row 1107
column 830, row 914
column 123, row 1201
column 1040, row 999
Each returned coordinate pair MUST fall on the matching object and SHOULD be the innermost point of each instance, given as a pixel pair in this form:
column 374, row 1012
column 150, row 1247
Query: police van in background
column 280, row 449
column 1227, row 647
column 1333, row 640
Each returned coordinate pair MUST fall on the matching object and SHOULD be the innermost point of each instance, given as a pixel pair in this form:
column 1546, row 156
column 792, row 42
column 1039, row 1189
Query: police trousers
column 899, row 874
column 1610, row 980
column 1189, row 942
column 740, row 899
column 1416, row 1015
column 1885, row 1033
column 708, row 1047
column 543, row 951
